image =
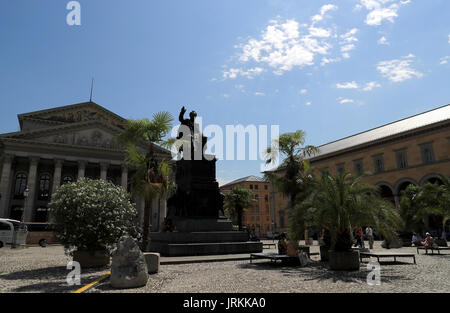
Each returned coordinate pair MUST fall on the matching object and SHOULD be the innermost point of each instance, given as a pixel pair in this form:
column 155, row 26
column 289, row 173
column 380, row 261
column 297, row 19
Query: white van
column 12, row 231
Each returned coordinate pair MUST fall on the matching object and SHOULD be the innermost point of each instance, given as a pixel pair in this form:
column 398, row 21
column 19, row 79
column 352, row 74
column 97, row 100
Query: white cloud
column 261, row 94
column 383, row 41
column 444, row 60
column 348, row 48
column 349, row 85
column 235, row 72
column 285, row 45
column 303, row 91
column 326, row 60
column 347, row 42
column 369, row 86
column 381, row 10
column 319, row 32
column 399, row 70
column 354, row 85
column 308, row 103
column 349, row 36
column 342, row 100
column 225, row 95
column 448, row 38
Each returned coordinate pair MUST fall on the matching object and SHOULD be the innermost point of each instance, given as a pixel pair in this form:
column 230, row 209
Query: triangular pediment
column 75, row 113
column 92, row 133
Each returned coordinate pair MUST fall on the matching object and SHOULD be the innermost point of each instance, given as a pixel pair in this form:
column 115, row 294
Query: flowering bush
column 91, row 215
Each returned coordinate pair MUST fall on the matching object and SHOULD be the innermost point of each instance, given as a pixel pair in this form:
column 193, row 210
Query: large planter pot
column 344, row 260
column 91, row 259
column 324, row 257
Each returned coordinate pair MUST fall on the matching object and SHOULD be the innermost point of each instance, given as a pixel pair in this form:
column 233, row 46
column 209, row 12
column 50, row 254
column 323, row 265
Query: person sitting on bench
column 416, row 240
column 282, row 245
column 428, row 242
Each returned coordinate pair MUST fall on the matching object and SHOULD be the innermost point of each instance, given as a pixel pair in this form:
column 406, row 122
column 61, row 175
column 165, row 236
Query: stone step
column 199, row 237
column 216, row 248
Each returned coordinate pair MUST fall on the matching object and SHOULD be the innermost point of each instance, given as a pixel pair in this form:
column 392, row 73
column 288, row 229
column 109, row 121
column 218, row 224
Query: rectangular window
column 340, row 168
column 256, row 187
column 402, row 161
column 358, row 166
column 265, row 187
column 251, row 186
column 378, row 163
column 266, row 198
column 427, row 152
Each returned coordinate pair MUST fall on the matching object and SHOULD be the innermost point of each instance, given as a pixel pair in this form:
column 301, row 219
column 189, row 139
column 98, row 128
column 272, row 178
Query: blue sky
column 331, row 68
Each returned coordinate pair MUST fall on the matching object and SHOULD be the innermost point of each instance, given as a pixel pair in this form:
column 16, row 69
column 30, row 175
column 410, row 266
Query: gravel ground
column 36, row 269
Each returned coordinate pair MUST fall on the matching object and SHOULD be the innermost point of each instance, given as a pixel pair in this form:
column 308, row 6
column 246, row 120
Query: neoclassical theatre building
column 58, row 146
column 413, row 150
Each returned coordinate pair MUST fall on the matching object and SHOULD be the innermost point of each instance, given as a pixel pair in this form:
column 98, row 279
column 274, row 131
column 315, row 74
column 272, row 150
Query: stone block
column 152, row 259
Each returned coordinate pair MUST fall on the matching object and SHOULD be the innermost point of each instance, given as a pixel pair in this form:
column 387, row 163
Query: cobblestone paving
column 38, row 269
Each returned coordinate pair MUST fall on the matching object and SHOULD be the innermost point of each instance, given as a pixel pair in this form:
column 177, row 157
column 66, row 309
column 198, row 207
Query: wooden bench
column 386, row 255
column 269, row 245
column 273, row 257
column 438, row 249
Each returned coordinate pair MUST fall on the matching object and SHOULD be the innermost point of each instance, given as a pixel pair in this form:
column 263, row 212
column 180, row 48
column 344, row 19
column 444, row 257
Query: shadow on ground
column 319, row 271
column 53, row 279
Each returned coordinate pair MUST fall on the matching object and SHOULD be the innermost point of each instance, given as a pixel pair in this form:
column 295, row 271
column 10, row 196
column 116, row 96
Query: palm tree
column 418, row 203
column 296, row 178
column 339, row 203
column 152, row 177
column 237, row 200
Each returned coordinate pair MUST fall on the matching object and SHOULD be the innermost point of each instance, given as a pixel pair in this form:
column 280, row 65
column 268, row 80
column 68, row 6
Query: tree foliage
column 237, row 201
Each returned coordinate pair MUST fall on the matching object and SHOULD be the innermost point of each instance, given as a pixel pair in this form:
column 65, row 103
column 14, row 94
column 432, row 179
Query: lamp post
column 26, row 192
column 25, row 195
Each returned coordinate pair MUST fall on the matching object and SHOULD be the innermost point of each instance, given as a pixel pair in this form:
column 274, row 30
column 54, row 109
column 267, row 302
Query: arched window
column 44, row 187
column 21, row 185
column 67, row 180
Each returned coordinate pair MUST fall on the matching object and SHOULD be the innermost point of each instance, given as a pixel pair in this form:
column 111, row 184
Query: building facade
column 413, row 150
column 58, row 146
column 259, row 215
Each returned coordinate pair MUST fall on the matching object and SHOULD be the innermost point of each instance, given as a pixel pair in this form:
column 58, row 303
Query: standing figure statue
column 193, row 136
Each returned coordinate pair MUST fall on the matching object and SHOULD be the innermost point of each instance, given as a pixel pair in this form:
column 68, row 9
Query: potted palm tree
column 339, row 203
column 237, row 200
column 295, row 173
column 143, row 140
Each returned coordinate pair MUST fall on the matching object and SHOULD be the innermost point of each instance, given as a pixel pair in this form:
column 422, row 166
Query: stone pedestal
column 202, row 243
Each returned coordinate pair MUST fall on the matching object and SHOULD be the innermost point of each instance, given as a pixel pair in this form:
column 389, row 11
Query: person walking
column 369, row 234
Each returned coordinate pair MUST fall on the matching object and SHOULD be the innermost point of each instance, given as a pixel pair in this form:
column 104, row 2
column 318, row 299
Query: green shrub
column 91, row 215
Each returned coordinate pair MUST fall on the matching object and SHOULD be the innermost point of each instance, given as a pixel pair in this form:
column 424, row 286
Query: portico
column 59, row 146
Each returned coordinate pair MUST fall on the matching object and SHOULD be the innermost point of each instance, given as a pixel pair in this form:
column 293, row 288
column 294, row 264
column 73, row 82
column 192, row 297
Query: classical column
column 81, row 169
column 4, row 184
column 124, row 178
column 103, row 170
column 57, row 175
column 31, row 185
